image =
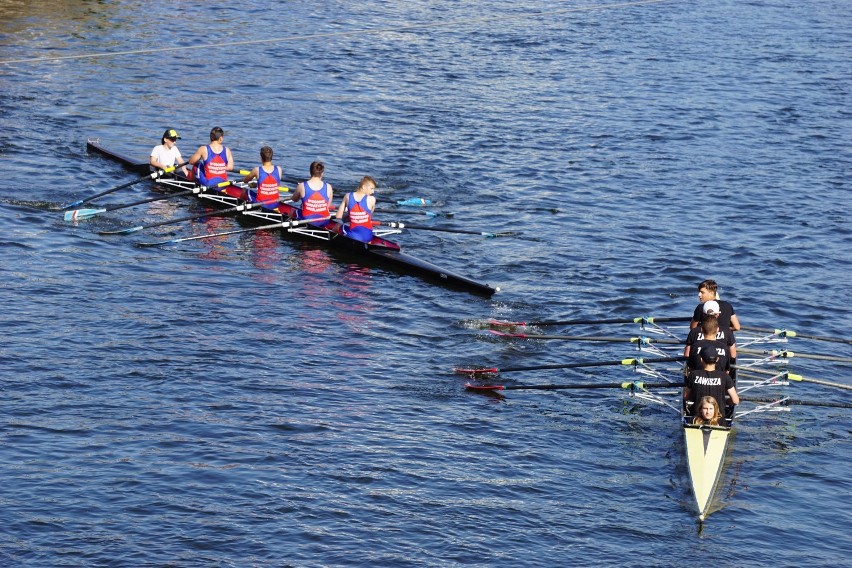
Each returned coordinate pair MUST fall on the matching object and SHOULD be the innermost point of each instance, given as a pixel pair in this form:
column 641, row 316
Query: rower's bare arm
column 686, row 351
column 735, row 398
column 733, row 350
column 735, row 322
column 199, row 154
column 298, row 192
column 230, row 159
column 251, row 175
column 342, row 209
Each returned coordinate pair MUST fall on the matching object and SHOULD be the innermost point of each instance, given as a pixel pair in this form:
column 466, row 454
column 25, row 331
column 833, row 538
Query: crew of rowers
column 711, row 353
column 312, row 198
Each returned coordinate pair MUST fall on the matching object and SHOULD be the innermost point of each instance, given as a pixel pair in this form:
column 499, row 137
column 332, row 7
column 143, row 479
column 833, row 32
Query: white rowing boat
column 706, row 447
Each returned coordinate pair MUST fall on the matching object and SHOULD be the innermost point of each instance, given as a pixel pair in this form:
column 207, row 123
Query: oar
column 625, row 385
column 398, row 225
column 791, row 333
column 80, row 214
column 414, row 202
column 238, row 208
column 280, row 225
column 789, row 354
column 642, row 320
column 414, row 212
column 792, row 377
column 153, row 175
column 632, row 361
column 642, row 340
column 786, row 401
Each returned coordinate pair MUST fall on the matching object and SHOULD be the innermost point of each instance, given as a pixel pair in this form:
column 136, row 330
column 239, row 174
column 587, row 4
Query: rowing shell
column 379, row 249
column 705, row 454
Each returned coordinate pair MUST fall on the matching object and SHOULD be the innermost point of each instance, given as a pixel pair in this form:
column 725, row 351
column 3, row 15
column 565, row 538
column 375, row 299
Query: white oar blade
column 80, row 214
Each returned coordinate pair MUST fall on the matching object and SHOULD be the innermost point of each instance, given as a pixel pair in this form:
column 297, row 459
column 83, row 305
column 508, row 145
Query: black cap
column 171, row 134
column 709, row 355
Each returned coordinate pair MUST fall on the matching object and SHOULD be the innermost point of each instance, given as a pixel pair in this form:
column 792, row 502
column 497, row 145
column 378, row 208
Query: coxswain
column 166, row 154
column 708, row 412
column 315, row 194
column 709, row 381
column 268, row 178
column 709, row 290
column 707, row 339
column 357, row 208
column 211, row 163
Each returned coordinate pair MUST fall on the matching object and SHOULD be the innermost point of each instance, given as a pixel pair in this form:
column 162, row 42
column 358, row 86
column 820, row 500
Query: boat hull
column 705, row 455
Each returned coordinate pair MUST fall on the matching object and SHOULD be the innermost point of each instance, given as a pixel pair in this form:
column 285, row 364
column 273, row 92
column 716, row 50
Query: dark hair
column 317, row 169
column 266, row 154
column 710, row 285
column 216, row 133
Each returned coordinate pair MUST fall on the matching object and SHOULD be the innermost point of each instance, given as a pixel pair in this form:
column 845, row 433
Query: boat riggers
column 153, row 175
column 237, row 209
column 287, row 225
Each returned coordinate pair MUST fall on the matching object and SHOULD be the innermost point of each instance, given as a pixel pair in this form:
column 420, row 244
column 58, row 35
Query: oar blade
column 484, row 388
column 126, row 231
column 81, row 214
column 476, row 370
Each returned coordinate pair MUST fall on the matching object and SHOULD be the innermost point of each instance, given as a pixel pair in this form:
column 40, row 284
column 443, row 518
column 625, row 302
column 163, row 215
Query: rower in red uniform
column 268, row 178
column 709, row 290
column 316, row 195
column 359, row 205
column 212, row 163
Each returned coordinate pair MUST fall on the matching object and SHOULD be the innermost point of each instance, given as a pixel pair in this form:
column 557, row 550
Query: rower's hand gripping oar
column 280, row 225
column 398, row 225
column 81, row 214
column 153, row 175
column 238, row 208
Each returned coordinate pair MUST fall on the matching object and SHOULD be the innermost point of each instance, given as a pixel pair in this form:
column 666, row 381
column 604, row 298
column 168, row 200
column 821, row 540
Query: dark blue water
column 256, row 401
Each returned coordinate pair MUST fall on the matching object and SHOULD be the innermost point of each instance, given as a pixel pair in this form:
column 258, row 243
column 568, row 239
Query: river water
column 258, row 401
